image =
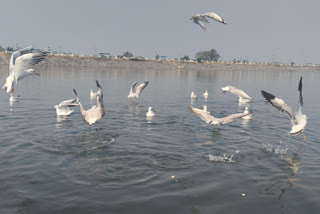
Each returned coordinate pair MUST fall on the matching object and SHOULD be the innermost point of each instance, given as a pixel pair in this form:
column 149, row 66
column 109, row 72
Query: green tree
column 157, row 57
column 127, row 54
column 187, row 58
column 211, row 55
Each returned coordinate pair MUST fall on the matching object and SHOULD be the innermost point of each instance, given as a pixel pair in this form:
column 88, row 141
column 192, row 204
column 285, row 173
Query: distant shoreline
column 89, row 61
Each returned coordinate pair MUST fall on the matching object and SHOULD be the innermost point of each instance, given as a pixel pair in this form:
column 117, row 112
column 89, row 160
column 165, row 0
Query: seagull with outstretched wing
column 298, row 120
column 95, row 113
column 200, row 18
column 208, row 118
column 138, row 90
column 19, row 67
column 243, row 97
column 62, row 109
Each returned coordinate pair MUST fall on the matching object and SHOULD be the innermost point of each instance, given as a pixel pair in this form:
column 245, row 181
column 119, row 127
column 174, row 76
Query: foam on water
column 224, row 158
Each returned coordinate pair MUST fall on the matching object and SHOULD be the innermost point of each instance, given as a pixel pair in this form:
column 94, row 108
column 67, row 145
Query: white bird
column 199, row 18
column 19, row 67
column 92, row 95
column 95, row 113
column 249, row 116
column 205, row 94
column 298, row 120
column 208, row 118
column 243, row 97
column 13, row 98
column 193, row 96
column 138, row 91
column 150, row 112
column 62, row 109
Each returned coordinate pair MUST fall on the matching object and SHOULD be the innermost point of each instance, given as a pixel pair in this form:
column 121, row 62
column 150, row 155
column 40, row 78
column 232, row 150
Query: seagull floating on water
column 199, row 18
column 298, row 120
column 13, row 98
column 243, row 97
column 208, row 118
column 150, row 112
column 62, row 109
column 249, row 116
column 193, row 96
column 19, row 67
column 95, row 113
column 205, row 94
column 138, row 91
column 92, row 95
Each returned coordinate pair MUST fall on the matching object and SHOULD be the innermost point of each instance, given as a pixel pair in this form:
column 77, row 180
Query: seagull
column 63, row 109
column 92, row 95
column 138, row 91
column 95, row 113
column 19, row 67
column 298, row 120
column 199, row 18
column 243, row 97
column 208, row 118
column 249, row 116
column 150, row 112
column 193, row 96
column 205, row 94
column 13, row 98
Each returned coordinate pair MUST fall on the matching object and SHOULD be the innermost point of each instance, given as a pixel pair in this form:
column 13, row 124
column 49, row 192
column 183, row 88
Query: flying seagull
column 19, row 67
column 208, row 118
column 243, row 97
column 248, row 117
column 298, row 120
column 62, row 109
column 95, row 113
column 199, row 18
column 138, row 91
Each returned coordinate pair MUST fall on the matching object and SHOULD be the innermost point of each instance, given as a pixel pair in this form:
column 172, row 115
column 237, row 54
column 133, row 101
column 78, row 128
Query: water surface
column 173, row 163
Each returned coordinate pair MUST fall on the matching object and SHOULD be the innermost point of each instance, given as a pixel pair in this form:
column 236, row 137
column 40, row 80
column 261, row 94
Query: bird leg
column 304, row 137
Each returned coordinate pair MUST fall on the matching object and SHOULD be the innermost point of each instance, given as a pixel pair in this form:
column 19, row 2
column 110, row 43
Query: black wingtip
column 98, row 85
column 74, row 90
column 300, row 84
column 267, row 95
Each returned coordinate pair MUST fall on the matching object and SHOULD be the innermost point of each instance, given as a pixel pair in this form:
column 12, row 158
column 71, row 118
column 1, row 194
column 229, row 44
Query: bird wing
column 141, row 87
column 100, row 99
column 26, row 61
column 68, row 103
column 204, row 115
column 300, row 94
column 214, row 16
column 279, row 104
column 232, row 117
column 197, row 21
column 240, row 93
column 16, row 54
column 132, row 87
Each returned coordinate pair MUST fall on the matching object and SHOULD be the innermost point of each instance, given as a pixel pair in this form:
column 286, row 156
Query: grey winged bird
column 208, row 118
column 95, row 113
column 243, row 97
column 19, row 67
column 200, row 18
column 62, row 109
column 298, row 120
column 138, row 91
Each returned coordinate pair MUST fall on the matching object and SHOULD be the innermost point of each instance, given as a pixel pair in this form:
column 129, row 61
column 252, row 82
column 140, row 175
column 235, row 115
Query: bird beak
column 37, row 74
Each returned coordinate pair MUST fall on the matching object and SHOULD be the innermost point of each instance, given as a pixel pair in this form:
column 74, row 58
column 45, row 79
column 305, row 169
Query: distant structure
column 106, row 55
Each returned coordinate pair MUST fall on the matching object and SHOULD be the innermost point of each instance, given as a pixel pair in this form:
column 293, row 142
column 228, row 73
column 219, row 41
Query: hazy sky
column 279, row 30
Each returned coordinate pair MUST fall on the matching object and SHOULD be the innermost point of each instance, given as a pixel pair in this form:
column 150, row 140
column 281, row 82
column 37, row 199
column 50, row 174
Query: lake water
column 173, row 163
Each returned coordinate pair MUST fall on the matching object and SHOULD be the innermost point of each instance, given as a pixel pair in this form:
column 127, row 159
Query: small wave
column 224, row 158
column 275, row 149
